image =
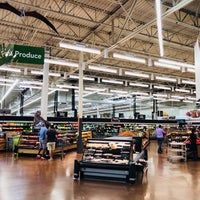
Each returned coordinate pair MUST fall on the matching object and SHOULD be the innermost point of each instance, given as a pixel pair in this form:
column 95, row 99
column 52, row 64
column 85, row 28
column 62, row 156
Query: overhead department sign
column 24, row 54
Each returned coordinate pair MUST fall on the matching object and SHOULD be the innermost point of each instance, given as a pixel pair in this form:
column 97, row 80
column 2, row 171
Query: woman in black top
column 193, row 144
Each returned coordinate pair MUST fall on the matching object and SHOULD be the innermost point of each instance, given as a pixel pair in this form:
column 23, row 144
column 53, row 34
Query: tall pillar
column 56, row 101
column 73, row 102
column 21, row 111
column 134, row 107
column 113, row 110
column 80, row 105
column 197, row 68
column 45, row 87
column 155, row 109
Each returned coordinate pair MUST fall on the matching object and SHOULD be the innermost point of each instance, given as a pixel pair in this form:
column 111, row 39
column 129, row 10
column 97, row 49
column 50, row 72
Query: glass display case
column 112, row 159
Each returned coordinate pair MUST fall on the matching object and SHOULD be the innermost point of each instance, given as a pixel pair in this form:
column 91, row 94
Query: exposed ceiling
column 112, row 26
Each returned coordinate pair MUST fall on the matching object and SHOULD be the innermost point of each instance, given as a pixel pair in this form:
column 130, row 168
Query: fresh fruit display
column 128, row 133
column 193, row 113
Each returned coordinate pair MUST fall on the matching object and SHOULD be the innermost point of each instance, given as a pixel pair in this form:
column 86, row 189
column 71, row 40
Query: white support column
column 80, row 101
column 80, row 105
column 197, row 67
column 45, row 87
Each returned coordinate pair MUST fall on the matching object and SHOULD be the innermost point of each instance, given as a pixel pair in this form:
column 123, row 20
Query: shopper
column 51, row 138
column 42, row 141
column 160, row 137
column 193, row 144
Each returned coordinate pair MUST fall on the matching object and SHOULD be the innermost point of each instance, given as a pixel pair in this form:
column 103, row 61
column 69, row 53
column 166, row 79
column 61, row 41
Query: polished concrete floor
column 30, row 179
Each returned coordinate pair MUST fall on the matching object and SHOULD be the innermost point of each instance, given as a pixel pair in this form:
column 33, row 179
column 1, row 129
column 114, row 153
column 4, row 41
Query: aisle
column 32, row 179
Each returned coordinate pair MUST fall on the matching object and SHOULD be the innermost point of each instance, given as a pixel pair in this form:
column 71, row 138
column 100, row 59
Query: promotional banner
column 21, row 54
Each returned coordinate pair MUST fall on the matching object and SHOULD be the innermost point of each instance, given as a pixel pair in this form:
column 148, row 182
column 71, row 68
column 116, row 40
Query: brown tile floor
column 31, row 179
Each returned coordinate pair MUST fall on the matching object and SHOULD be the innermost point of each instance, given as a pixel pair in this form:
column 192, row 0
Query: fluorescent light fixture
column 182, row 90
column 95, row 89
column 5, row 84
column 188, row 82
column 187, row 101
column 159, row 25
column 161, row 87
column 105, row 93
column 79, row 48
column 6, row 80
column 161, row 78
column 160, row 95
column 175, row 100
column 36, row 72
column 112, row 81
column 137, row 74
column 41, row 73
column 166, row 65
column 9, row 90
column 177, row 97
column 172, row 62
column 129, row 57
column 191, row 98
column 84, row 78
column 103, row 69
column 9, row 69
column 139, row 85
column 54, row 74
column 119, row 91
column 190, row 70
column 86, row 93
column 59, row 89
column 143, row 97
column 61, row 62
column 140, row 93
column 68, row 86
column 31, row 82
column 30, row 86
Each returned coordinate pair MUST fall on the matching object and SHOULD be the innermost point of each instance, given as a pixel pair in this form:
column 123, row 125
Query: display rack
column 177, row 151
column 111, row 159
column 66, row 124
column 12, row 132
column 28, row 142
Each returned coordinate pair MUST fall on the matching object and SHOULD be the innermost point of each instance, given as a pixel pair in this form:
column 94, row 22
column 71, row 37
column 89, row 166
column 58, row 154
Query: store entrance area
column 28, row 178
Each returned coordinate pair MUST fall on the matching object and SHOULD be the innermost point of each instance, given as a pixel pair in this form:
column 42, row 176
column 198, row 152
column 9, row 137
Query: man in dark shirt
column 51, row 137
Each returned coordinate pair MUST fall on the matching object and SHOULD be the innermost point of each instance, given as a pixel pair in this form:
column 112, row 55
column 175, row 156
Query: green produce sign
column 24, row 54
column 5, row 54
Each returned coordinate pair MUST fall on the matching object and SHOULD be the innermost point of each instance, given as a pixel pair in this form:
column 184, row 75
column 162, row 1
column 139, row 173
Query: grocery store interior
column 106, row 74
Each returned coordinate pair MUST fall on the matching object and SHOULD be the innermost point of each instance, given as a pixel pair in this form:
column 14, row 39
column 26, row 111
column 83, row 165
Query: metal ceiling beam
column 142, row 27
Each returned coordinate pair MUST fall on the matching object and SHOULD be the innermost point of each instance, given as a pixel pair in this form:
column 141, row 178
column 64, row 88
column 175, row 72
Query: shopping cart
column 60, row 148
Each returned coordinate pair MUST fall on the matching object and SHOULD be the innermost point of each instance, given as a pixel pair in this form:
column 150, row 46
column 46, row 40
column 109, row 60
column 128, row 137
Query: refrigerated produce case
column 111, row 159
